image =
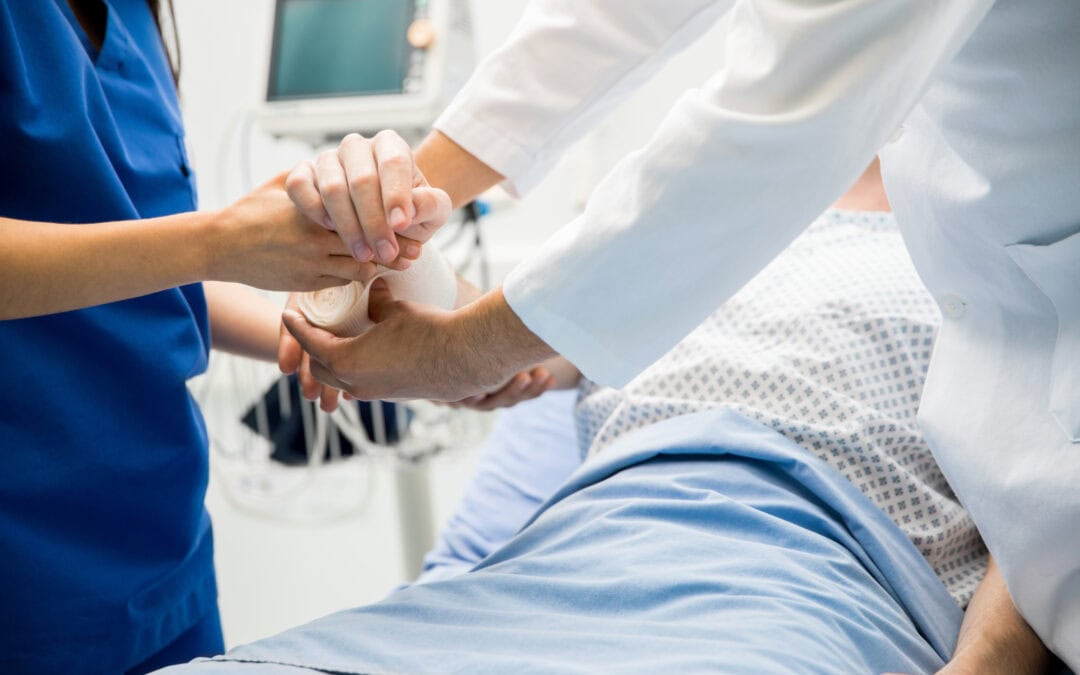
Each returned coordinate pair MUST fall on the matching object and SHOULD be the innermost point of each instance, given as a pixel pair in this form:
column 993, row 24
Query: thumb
column 318, row 343
column 289, row 352
column 381, row 303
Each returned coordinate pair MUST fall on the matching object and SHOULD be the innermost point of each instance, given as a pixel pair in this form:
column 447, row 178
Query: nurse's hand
column 293, row 359
column 264, row 241
column 419, row 352
column 368, row 191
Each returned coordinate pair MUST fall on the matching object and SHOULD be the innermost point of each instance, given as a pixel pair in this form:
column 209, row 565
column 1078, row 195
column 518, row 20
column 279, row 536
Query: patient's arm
column 242, row 322
column 994, row 638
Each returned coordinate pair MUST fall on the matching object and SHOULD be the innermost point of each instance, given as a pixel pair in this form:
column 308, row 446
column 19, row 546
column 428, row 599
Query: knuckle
column 427, row 197
column 364, row 182
column 335, row 189
column 294, row 177
column 441, row 199
column 353, row 139
column 395, row 161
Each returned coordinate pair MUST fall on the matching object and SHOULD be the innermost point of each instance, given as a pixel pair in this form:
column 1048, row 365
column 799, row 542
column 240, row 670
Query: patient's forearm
column 994, row 638
column 242, row 322
column 451, row 167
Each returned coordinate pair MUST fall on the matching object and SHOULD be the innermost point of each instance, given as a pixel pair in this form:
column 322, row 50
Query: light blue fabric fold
column 529, row 454
column 702, row 543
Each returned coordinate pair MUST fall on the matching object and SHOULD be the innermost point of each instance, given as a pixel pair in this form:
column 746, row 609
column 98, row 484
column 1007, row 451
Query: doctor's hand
column 556, row 373
column 419, row 352
column 368, row 191
column 522, row 387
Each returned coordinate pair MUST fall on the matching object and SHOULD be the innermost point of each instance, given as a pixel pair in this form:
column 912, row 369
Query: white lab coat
column 977, row 105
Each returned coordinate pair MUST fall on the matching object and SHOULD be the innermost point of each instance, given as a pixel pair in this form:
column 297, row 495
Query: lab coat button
column 897, row 133
column 953, row 307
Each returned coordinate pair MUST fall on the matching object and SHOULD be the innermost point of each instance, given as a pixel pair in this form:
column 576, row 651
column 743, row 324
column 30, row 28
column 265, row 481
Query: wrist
column 495, row 343
column 449, row 166
column 215, row 247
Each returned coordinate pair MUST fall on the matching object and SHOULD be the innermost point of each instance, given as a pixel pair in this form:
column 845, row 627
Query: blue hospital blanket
column 529, row 454
column 702, row 543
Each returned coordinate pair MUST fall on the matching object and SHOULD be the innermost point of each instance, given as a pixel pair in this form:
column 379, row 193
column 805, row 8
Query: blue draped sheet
column 702, row 543
column 531, row 451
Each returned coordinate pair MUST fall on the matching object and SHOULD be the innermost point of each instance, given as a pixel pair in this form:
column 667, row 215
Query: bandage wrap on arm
column 343, row 310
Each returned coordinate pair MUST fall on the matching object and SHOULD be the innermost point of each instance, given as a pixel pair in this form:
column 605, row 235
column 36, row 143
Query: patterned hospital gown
column 829, row 346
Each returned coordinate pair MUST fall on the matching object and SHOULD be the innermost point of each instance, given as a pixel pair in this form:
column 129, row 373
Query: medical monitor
column 325, row 48
column 338, row 66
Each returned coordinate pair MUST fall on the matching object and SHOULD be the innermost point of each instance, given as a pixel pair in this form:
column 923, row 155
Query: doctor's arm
column 684, row 222
column 582, row 58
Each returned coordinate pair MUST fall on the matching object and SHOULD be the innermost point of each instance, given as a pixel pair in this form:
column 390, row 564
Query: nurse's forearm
column 49, row 267
column 242, row 322
column 261, row 240
column 454, row 169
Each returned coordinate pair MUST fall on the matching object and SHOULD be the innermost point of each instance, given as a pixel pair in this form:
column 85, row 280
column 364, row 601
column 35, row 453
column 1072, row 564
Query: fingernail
column 362, row 252
column 328, row 224
column 412, row 250
column 386, row 250
column 378, row 284
column 398, row 219
column 522, row 384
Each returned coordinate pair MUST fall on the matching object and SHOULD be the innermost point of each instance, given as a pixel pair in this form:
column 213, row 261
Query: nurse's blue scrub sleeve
column 106, row 554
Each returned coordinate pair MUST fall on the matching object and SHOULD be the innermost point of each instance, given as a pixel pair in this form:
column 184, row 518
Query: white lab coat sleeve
column 567, row 64
column 809, row 92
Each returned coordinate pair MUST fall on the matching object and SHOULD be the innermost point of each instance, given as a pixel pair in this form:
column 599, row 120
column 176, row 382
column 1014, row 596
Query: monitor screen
column 327, row 48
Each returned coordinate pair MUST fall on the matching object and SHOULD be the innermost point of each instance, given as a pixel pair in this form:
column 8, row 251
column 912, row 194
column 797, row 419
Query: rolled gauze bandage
column 343, row 310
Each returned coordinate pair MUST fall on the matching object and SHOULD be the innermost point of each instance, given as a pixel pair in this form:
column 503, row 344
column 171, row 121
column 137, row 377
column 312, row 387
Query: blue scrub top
column 105, row 546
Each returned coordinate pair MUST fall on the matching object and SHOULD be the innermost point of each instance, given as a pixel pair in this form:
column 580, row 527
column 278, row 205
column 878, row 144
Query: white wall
column 273, row 575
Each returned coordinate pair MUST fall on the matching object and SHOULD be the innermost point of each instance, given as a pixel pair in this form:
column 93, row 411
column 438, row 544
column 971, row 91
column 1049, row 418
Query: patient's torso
column 829, row 346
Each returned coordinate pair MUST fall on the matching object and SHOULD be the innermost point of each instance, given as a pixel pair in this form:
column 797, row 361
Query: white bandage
column 343, row 310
